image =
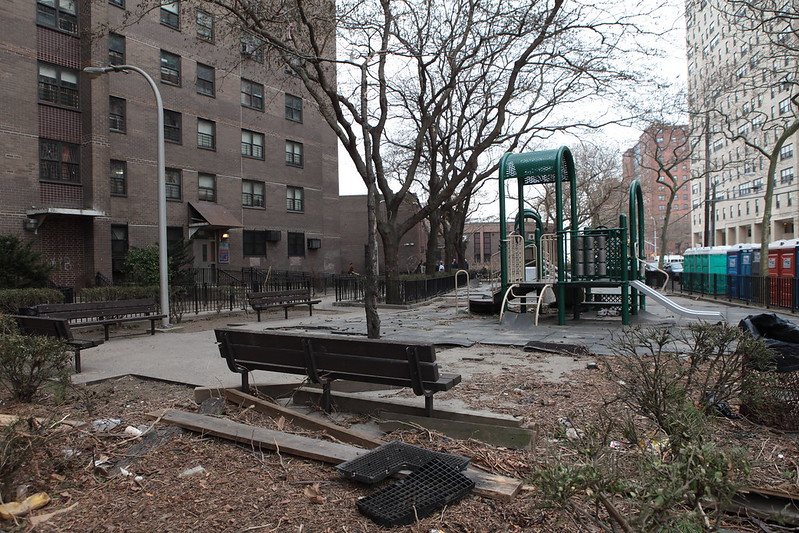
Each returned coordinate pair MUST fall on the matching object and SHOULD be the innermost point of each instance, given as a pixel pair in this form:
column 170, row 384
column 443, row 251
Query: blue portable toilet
column 733, row 273
column 746, row 266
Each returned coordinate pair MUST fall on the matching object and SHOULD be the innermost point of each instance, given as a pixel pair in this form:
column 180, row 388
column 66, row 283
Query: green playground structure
column 575, row 263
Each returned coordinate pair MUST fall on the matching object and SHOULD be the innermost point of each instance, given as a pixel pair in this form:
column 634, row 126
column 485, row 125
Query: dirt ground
column 191, row 482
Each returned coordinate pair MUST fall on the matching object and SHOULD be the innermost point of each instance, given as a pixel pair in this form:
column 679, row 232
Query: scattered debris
column 105, row 424
column 591, row 366
column 17, row 509
column 557, row 347
column 195, row 471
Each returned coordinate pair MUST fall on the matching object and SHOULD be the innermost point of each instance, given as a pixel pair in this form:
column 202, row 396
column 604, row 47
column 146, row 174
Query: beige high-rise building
column 741, row 77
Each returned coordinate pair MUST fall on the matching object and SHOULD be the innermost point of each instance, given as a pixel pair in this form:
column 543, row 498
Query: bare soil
column 236, row 488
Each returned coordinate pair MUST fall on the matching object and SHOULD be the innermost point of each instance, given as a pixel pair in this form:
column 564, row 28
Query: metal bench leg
column 259, row 314
column 77, row 360
column 326, row 402
column 428, row 404
column 286, row 310
column 106, row 327
column 245, row 382
column 152, row 326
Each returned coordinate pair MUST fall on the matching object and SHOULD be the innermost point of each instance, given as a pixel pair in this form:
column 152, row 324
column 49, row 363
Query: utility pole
column 708, row 198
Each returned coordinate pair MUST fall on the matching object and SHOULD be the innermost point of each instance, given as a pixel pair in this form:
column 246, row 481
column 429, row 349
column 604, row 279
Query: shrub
column 118, row 292
column 20, row 265
column 29, row 362
column 12, row 299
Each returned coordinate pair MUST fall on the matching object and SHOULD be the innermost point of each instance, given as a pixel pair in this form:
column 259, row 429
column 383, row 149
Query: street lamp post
column 94, row 72
column 654, row 235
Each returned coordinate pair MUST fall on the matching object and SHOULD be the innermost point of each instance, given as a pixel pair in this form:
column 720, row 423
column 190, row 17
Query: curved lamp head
column 95, row 72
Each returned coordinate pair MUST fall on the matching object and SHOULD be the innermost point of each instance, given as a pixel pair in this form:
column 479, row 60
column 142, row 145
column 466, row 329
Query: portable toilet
column 746, row 269
column 787, row 273
column 757, row 281
column 733, row 271
column 781, row 271
column 717, row 269
column 691, row 275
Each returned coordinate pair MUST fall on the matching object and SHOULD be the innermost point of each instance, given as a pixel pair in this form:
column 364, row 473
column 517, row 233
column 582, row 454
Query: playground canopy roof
column 539, row 167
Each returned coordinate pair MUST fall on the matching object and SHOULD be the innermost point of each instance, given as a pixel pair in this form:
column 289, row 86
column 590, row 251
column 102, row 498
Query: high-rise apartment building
column 742, row 73
column 660, row 160
column 251, row 168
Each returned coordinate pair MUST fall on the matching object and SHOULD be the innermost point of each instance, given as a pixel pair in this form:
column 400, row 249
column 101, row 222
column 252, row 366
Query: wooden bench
column 58, row 328
column 327, row 358
column 260, row 301
column 104, row 314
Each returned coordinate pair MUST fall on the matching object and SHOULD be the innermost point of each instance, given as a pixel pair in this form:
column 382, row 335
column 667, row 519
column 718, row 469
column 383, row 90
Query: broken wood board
column 151, row 440
column 780, row 506
column 486, row 484
column 356, row 403
column 304, row 421
column 9, row 420
column 275, row 390
column 508, row 437
column 565, row 348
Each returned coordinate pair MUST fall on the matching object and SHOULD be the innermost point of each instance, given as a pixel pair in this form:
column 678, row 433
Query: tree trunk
column 432, row 243
column 370, row 287
column 392, row 270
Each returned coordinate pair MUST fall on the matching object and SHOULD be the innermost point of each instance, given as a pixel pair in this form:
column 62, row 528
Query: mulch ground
column 191, row 482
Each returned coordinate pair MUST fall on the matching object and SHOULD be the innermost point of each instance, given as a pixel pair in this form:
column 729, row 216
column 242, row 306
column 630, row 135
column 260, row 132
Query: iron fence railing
column 404, row 291
column 769, row 292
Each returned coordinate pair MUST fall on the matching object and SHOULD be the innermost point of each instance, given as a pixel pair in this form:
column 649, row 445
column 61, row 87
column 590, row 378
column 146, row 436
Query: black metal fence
column 407, row 291
column 769, row 292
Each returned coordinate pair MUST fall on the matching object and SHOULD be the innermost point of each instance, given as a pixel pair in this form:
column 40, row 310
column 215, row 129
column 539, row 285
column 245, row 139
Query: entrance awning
column 211, row 216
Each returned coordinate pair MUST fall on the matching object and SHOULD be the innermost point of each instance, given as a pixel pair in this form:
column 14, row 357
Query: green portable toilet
column 691, row 276
column 717, row 269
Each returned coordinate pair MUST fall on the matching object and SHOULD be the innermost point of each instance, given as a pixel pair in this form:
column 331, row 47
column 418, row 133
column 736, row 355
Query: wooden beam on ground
column 304, row 421
column 508, row 437
column 276, row 390
column 777, row 505
column 487, row 485
column 356, row 403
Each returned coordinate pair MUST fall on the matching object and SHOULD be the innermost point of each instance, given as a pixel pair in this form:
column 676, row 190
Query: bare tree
column 398, row 72
column 743, row 136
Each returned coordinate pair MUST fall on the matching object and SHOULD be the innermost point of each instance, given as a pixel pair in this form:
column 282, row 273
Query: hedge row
column 12, row 299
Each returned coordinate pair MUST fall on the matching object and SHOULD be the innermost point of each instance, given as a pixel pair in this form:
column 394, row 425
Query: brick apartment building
column 252, row 171
column 669, row 143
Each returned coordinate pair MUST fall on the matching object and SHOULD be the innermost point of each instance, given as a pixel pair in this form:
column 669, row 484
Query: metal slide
column 670, row 304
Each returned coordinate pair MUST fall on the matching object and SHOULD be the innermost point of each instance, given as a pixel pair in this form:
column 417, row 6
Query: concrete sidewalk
column 193, row 358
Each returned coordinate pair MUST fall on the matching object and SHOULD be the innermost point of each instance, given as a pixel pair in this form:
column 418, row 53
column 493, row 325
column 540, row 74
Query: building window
column 205, row 26
column 207, row 187
column 116, row 49
column 252, row 144
column 296, row 244
column 119, row 181
column 476, row 245
column 206, row 134
column 294, row 153
column 58, row 85
column 487, row 249
column 786, row 152
column 252, row 47
column 116, row 114
column 254, row 243
column 785, row 106
column 294, row 199
column 293, row 108
column 170, row 15
column 252, row 94
column 172, row 126
column 205, row 79
column 119, row 249
column 174, row 179
column 170, row 68
column 58, row 14
column 118, row 3
column 786, row 175
column 59, row 161
column 252, row 193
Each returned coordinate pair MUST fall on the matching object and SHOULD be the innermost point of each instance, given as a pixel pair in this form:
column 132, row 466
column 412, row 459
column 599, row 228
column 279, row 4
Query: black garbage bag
column 778, row 334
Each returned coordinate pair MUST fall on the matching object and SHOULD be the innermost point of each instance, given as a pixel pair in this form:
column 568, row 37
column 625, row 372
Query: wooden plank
column 487, row 485
column 515, row 438
column 356, row 403
column 304, row 421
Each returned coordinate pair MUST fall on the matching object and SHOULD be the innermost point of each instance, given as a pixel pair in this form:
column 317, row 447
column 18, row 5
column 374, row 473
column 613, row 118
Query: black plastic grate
column 390, row 458
column 420, row 494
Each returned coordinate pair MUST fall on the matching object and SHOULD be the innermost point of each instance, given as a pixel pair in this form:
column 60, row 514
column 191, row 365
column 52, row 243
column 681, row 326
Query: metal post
column 163, row 268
